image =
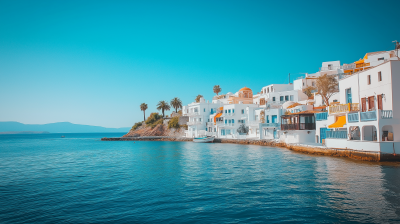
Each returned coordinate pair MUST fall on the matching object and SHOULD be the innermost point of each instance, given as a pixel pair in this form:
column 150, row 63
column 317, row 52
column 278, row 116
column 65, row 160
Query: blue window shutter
column 233, row 110
column 233, row 121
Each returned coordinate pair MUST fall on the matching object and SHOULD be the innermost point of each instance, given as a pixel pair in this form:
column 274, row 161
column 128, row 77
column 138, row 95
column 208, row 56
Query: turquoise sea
column 80, row 179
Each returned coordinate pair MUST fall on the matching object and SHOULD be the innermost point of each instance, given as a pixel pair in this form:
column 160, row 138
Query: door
column 322, row 132
column 274, row 119
column 275, row 134
column 364, row 104
column 348, row 96
column 380, row 102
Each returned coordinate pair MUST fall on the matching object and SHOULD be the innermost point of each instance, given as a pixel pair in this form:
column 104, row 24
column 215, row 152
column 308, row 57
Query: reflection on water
column 79, row 179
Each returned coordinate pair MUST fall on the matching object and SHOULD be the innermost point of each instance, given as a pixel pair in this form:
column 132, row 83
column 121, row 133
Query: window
column 381, row 59
column 272, row 89
column 313, row 83
column 242, row 111
column 225, row 111
column 348, row 96
column 206, row 128
column 228, row 131
column 215, row 129
column 256, row 118
column 223, row 132
column 267, row 89
column 291, row 98
column 273, row 99
column 329, row 67
column 379, row 76
column 281, row 98
column 233, row 111
column 335, row 101
column 229, row 111
column 371, row 103
column 369, row 79
column 267, row 118
column 204, row 109
column 286, row 98
column 199, row 119
column 274, row 119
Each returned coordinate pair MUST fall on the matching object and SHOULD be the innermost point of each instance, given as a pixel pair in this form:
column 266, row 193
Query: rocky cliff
column 158, row 130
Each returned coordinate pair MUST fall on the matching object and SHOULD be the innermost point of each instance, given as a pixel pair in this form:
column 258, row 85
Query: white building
column 198, row 114
column 369, row 117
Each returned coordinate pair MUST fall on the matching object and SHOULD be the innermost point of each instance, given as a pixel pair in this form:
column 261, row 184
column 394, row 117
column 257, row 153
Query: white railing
column 193, row 114
column 386, row 114
column 193, row 123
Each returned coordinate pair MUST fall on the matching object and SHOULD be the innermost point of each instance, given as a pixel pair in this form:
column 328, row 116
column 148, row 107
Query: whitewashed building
column 368, row 117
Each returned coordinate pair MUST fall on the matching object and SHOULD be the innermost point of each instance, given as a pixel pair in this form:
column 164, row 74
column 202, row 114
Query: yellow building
column 245, row 95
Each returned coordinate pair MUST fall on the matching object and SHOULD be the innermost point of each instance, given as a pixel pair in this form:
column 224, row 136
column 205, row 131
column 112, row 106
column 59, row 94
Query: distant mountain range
column 60, row 127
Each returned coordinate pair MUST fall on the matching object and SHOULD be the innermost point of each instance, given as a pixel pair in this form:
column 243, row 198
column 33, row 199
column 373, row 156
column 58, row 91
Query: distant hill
column 60, row 127
column 23, row 132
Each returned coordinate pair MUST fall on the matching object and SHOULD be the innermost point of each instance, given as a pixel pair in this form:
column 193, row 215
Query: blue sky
column 95, row 62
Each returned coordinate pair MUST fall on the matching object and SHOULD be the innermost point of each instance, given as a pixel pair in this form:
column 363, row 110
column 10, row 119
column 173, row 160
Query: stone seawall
column 307, row 149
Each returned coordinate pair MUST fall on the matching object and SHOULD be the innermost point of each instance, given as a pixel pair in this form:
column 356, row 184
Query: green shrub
column 153, row 120
column 173, row 123
column 136, row 125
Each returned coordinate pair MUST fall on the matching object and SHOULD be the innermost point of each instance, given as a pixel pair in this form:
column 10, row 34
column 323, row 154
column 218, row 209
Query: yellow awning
column 359, row 61
column 339, row 122
column 215, row 118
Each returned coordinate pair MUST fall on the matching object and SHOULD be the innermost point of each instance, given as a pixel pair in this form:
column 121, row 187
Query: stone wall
column 183, row 120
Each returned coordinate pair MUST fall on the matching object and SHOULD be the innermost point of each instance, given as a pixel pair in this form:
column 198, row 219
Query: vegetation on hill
column 136, row 126
column 153, row 120
column 174, row 123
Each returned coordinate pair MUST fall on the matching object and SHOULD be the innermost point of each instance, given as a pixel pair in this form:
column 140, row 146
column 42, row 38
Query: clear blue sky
column 95, row 62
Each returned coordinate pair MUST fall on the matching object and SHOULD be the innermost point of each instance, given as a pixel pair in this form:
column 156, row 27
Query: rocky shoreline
column 307, row 149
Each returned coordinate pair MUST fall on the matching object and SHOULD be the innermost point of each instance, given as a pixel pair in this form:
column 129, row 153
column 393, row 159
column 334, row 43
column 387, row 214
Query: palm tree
column 143, row 107
column 176, row 103
column 163, row 105
column 217, row 89
column 198, row 98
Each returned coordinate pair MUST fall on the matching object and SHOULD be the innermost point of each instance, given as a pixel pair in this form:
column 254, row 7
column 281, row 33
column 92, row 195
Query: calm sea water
column 80, row 179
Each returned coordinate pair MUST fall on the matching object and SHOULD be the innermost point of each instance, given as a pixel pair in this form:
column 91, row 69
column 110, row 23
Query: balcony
column 353, row 117
column 298, row 126
column 193, row 114
column 368, row 116
column 386, row 114
column 273, row 125
column 194, row 123
column 344, row 108
column 322, row 116
column 336, row 134
column 210, row 123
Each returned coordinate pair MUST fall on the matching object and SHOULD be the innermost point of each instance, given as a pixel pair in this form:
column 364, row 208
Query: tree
column 143, row 107
column 217, row 89
column 176, row 103
column 327, row 85
column 309, row 91
column 198, row 97
column 163, row 106
column 243, row 129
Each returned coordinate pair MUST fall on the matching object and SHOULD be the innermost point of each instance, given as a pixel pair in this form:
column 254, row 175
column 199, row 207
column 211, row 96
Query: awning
column 359, row 61
column 215, row 118
column 339, row 122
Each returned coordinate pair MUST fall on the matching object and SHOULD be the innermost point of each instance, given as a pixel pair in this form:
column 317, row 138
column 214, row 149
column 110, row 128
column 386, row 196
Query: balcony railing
column 301, row 126
column 336, row 134
column 353, row 117
column 342, row 108
column 194, row 123
column 275, row 125
column 368, row 116
column 386, row 114
column 193, row 114
column 322, row 116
